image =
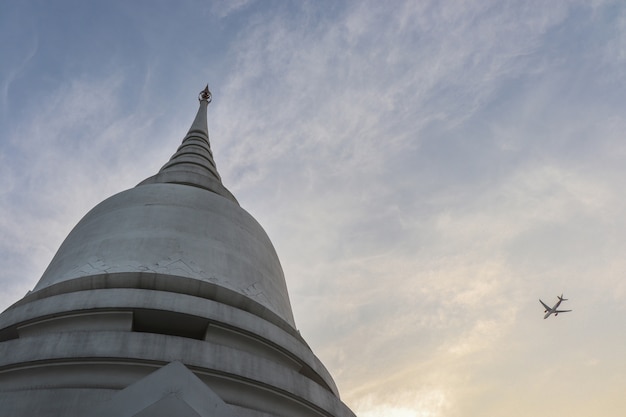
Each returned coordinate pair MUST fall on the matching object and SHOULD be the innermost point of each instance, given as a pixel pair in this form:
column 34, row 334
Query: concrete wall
column 103, row 340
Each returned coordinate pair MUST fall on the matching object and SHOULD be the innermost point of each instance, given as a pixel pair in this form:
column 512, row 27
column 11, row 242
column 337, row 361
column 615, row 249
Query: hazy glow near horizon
column 426, row 170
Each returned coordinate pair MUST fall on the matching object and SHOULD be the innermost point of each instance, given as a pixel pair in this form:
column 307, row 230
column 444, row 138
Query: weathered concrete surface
column 246, row 331
column 103, row 360
column 179, row 230
column 171, row 391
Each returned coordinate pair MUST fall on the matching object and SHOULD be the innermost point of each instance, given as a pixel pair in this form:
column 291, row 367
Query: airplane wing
column 545, row 306
column 562, row 311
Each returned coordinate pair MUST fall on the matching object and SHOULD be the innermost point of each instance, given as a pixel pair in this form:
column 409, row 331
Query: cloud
column 301, row 85
column 53, row 168
column 15, row 60
column 224, row 8
column 424, row 403
column 341, row 120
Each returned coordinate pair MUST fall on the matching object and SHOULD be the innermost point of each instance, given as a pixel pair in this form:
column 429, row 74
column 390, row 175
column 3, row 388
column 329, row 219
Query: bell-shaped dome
column 174, row 230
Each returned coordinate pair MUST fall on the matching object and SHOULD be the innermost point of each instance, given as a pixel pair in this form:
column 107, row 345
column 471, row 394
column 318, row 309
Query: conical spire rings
column 193, row 163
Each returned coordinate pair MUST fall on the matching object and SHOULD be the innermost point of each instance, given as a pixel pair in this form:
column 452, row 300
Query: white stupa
column 167, row 299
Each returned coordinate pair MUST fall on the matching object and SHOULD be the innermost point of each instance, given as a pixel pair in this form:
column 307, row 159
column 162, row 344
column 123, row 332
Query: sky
column 427, row 170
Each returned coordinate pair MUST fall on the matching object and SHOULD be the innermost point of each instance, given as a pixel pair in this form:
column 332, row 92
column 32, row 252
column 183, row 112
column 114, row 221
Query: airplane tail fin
column 562, row 299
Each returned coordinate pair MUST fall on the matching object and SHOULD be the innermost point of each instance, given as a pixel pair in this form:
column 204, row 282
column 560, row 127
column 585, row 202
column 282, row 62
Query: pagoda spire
column 192, row 164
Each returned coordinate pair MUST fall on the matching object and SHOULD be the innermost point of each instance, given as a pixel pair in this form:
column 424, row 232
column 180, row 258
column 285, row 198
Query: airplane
column 549, row 310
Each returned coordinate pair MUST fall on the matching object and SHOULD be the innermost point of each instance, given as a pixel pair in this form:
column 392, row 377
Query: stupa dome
column 165, row 231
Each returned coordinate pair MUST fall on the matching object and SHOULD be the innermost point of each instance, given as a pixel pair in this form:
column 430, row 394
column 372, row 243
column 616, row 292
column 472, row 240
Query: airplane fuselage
column 552, row 310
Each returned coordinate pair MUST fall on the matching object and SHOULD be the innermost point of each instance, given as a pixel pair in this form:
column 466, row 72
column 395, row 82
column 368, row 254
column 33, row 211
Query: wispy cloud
column 223, row 8
column 14, row 60
column 54, row 161
column 451, row 273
